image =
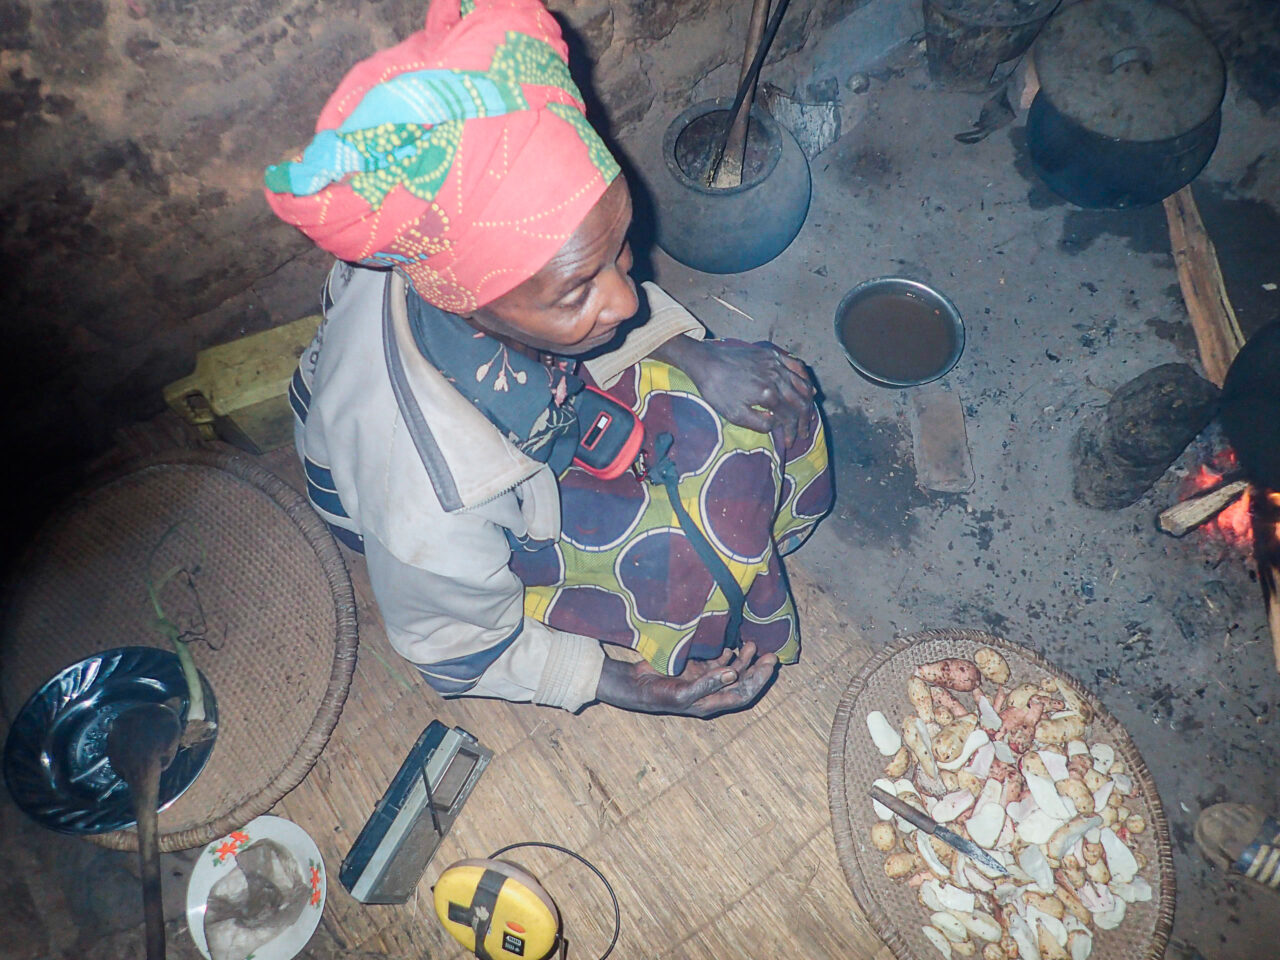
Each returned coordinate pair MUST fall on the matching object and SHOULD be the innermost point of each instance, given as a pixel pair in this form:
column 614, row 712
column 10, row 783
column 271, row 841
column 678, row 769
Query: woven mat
column 893, row 907
column 265, row 597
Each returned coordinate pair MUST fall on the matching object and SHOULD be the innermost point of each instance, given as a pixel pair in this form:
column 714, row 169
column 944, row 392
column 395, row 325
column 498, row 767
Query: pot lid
column 1130, row 69
column 994, row 13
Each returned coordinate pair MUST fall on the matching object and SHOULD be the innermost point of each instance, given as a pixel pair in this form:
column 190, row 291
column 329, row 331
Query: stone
column 1120, row 451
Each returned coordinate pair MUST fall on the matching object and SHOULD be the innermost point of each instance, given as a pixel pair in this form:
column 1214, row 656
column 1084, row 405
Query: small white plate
column 217, row 859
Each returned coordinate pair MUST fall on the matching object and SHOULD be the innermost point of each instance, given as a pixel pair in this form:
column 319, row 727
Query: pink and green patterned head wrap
column 460, row 157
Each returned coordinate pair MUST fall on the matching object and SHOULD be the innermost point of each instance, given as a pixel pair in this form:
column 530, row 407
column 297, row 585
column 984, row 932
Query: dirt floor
column 1061, row 307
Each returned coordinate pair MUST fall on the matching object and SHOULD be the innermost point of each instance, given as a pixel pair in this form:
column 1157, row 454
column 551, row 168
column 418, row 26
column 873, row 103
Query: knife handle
column 905, row 810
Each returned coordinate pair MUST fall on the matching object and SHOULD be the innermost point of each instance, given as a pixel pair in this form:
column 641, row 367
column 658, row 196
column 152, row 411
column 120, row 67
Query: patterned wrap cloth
column 460, row 157
column 623, row 570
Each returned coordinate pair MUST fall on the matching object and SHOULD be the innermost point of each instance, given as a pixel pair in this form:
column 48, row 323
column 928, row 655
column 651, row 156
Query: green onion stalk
column 197, row 727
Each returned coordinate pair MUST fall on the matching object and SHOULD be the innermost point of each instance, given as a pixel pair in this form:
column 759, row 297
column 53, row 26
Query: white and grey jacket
column 396, row 455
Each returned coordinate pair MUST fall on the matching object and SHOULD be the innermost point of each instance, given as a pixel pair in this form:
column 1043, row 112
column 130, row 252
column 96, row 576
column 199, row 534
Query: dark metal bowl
column 865, row 365
column 55, row 758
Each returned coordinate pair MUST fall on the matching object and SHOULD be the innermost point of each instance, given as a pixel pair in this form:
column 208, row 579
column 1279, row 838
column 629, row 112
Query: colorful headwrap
column 461, row 157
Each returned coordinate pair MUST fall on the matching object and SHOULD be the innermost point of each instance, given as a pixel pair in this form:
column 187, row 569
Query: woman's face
column 577, row 301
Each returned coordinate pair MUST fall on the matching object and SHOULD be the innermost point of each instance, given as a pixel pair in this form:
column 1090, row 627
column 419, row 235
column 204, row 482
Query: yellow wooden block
column 239, row 391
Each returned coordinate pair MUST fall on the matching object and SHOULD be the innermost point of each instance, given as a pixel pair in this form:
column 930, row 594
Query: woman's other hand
column 704, row 688
column 762, row 388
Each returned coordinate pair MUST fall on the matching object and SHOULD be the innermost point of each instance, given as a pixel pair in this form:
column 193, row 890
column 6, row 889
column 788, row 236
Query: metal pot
column 1250, row 406
column 733, row 229
column 898, row 332
column 965, row 40
column 1129, row 105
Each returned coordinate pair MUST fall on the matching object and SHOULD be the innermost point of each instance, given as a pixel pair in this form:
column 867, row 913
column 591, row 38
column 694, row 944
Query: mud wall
column 133, row 134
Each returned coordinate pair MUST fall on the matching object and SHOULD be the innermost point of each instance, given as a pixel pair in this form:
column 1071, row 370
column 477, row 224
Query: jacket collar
column 467, row 459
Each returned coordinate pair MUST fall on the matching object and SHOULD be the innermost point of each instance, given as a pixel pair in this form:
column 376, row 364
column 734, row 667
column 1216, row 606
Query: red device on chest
column 610, row 436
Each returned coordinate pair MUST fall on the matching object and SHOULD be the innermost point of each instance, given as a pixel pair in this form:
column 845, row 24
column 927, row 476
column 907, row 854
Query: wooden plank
column 1213, row 319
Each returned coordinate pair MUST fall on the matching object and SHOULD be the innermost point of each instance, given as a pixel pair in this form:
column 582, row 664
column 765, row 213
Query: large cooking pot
column 1250, row 406
column 729, row 229
column 965, row 40
column 1129, row 105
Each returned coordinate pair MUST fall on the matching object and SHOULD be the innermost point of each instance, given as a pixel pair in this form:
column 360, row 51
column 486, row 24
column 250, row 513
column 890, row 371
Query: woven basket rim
column 346, row 640
column 842, row 821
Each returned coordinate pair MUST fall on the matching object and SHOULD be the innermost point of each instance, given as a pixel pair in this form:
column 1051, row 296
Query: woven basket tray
column 893, row 907
column 272, row 607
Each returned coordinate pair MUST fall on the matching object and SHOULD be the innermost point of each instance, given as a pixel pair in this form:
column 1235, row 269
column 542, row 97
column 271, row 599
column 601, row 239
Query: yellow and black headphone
column 499, row 911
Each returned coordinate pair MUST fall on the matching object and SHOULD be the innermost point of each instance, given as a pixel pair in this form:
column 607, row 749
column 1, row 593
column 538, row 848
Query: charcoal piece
column 1127, row 446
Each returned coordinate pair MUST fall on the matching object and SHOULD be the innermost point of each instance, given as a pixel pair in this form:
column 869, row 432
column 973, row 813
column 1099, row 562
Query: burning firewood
column 1220, row 339
column 1184, row 517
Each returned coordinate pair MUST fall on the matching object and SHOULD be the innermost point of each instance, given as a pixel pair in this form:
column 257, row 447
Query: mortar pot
column 731, row 229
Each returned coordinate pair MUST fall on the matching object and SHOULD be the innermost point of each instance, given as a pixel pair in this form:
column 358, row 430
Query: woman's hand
column 704, row 688
column 762, row 388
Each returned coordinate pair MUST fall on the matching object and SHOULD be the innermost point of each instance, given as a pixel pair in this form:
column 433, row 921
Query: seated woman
column 482, row 285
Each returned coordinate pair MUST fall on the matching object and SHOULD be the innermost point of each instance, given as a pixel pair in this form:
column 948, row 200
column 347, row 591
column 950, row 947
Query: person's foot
column 1241, row 839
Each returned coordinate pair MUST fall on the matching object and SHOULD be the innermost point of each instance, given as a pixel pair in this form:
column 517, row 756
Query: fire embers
column 1232, row 523
column 1265, row 516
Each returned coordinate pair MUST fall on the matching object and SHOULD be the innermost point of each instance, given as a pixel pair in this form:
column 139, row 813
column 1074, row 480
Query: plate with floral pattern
column 219, row 858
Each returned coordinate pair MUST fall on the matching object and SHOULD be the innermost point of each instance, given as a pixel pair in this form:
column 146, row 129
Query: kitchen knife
column 931, row 826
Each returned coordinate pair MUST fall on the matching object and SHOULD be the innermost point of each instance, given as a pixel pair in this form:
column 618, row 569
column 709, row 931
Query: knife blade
column 932, row 827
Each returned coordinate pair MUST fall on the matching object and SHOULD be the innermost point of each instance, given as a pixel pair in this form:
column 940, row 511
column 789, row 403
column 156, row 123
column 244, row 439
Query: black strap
column 480, row 913
column 664, row 472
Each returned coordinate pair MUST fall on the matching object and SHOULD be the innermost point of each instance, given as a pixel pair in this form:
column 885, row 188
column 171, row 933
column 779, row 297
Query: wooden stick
column 1030, row 84
column 735, row 147
column 1217, row 331
column 1183, row 517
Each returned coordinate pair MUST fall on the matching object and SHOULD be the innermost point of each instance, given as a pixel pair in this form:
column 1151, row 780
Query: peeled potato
column 883, row 836
column 899, row 865
column 898, row 765
column 1046, row 903
column 918, row 693
column 1079, row 794
column 992, row 665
